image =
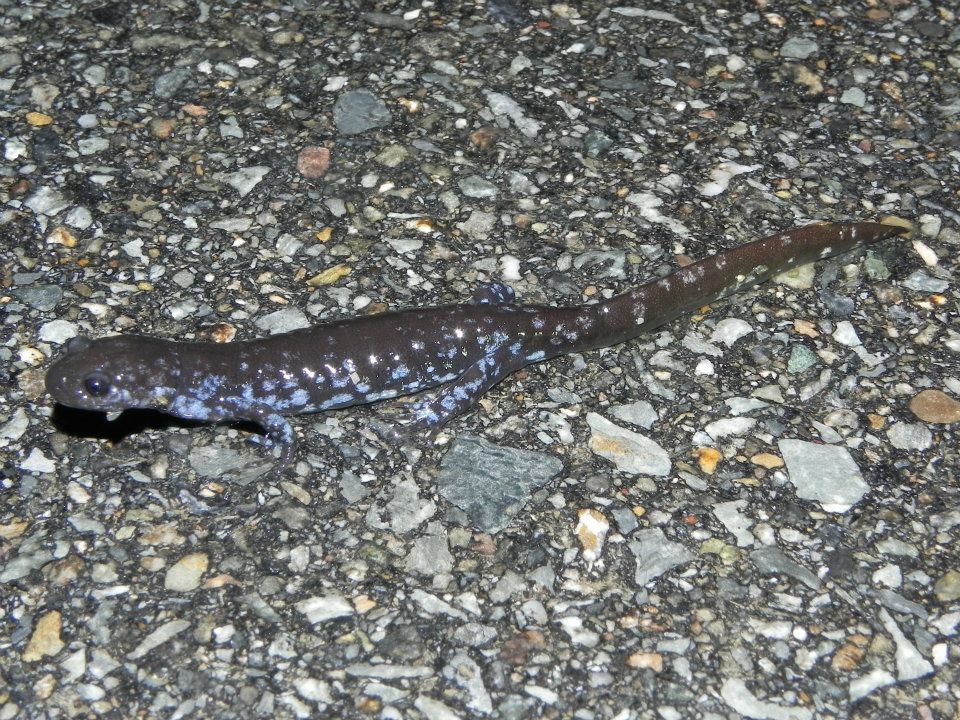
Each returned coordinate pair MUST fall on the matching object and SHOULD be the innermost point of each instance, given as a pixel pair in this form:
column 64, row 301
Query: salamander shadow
column 94, row 424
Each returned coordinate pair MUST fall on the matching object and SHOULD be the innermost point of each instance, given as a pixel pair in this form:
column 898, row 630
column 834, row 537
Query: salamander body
column 465, row 348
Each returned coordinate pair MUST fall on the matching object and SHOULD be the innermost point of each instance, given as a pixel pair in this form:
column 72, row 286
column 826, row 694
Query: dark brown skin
column 467, row 348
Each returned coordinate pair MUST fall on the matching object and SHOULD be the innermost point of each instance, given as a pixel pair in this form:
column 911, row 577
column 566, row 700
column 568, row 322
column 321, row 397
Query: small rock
column 323, row 608
column 797, row 48
column 477, row 187
column 631, row 452
column 640, row 413
column 491, row 483
column 947, row 588
column 245, row 179
column 707, row 458
column 854, row 96
column 910, row 436
column 921, row 282
column 656, row 555
column 45, row 640
column 185, row 574
column 357, row 111
column 934, row 406
column 591, row 530
column 824, row 473
column 873, row 680
column 37, row 462
column 646, row 661
column 313, row 161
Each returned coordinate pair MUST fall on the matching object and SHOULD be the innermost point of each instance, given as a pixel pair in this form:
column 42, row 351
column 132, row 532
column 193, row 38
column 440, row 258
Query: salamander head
column 115, row 373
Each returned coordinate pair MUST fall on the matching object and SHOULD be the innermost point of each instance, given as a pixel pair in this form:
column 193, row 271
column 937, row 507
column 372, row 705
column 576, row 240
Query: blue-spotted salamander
column 465, row 348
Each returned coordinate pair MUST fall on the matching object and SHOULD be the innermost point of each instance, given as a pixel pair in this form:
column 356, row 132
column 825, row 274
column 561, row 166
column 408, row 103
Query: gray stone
column 360, row 110
column 656, row 555
column 824, row 473
column 491, row 483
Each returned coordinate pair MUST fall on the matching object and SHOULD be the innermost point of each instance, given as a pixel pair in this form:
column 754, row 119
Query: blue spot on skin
column 210, row 386
column 401, row 371
column 538, row 355
column 341, row 399
column 190, row 408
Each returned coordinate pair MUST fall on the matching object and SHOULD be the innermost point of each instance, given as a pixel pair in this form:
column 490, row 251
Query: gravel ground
column 751, row 513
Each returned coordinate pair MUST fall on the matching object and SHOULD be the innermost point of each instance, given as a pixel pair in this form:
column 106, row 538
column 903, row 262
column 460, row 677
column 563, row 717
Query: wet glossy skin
column 466, row 348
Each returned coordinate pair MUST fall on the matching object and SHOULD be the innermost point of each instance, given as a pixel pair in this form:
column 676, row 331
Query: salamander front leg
column 279, row 432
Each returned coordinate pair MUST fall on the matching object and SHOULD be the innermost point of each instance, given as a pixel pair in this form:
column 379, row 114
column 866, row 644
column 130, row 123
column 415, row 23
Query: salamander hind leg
column 430, row 414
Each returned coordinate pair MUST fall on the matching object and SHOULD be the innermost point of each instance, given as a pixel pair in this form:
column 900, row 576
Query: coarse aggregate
column 750, row 513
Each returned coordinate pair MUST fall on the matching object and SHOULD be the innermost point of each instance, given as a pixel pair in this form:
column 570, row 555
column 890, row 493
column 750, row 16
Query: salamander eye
column 97, row 385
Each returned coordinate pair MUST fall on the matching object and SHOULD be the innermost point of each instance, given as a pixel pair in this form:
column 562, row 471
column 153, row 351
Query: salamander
column 466, row 348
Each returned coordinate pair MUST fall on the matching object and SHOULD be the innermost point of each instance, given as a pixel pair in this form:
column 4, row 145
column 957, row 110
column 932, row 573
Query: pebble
column 935, row 406
column 501, row 104
column 281, row 321
column 801, row 358
column 731, row 516
column 947, row 588
column 158, row 637
column 631, row 452
column 910, row 663
column 721, row 175
column 640, row 413
column 93, row 146
column 707, row 459
column 730, row 330
column 357, row 111
column 430, row 554
column 245, row 179
column 854, row 96
column 798, row 278
column 921, row 282
column 313, row 162
column 591, row 531
column 656, row 555
column 866, row 684
column 477, row 187
column 324, row 608
column 738, row 697
column 479, row 224
column 910, row 436
column 40, row 297
column 185, row 574
column 78, row 217
column 46, row 201
column 45, row 640
column 824, row 473
column 798, row 48
column 37, row 462
column 772, row 561
column 169, row 83
column 845, row 334
column 57, row 331
column 735, row 426
column 464, row 672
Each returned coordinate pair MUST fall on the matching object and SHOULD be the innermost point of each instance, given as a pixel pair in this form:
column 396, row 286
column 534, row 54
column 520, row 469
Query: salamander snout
column 113, row 373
